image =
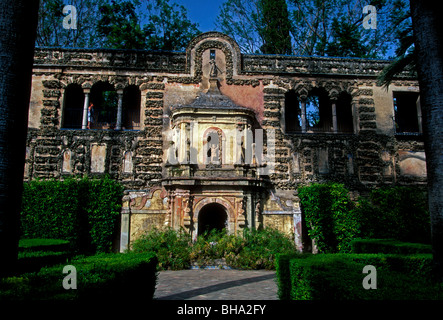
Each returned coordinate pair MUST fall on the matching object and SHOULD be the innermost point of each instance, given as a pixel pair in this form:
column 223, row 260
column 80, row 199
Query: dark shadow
column 216, row 287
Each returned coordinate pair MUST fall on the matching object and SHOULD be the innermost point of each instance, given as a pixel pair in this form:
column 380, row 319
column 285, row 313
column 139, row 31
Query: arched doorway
column 212, row 216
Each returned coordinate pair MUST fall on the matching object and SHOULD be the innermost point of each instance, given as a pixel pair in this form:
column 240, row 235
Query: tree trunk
column 428, row 33
column 18, row 25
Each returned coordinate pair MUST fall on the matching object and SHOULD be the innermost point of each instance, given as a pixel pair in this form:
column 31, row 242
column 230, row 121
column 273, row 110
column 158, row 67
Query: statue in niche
column 213, row 148
column 214, row 68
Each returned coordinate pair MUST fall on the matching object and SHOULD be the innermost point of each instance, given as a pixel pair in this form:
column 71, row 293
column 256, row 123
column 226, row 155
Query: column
column 334, row 116
column 85, row 109
column 419, row 116
column 303, row 115
column 118, row 126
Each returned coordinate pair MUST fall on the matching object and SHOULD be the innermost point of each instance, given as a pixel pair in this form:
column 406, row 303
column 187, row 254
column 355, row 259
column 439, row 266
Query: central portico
column 213, row 177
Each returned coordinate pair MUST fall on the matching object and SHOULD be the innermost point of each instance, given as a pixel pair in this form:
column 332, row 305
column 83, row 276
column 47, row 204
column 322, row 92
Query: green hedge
column 388, row 246
column 333, row 220
column 105, row 277
column 329, row 216
column 82, row 211
column 395, row 212
column 57, row 245
column 339, row 277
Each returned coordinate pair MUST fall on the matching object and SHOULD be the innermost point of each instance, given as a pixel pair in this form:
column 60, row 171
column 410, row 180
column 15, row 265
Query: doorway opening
column 212, row 216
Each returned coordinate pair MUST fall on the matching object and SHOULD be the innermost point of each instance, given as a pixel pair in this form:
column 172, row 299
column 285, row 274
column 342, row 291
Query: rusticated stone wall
column 371, row 155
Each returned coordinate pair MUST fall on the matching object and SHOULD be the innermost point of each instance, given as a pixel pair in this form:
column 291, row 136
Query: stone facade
column 212, row 138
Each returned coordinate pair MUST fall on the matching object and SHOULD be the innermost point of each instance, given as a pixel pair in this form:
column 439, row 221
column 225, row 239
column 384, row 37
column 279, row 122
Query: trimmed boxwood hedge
column 388, row 246
column 105, row 277
column 339, row 277
column 84, row 212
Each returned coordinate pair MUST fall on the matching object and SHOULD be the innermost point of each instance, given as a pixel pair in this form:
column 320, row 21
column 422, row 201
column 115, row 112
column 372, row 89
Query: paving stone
column 216, row 284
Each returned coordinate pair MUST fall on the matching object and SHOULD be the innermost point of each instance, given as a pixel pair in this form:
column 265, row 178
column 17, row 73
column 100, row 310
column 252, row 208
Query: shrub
column 327, row 210
column 402, row 211
column 339, row 277
column 43, row 245
column 171, row 247
column 82, row 211
column 107, row 277
column 255, row 249
column 260, row 249
column 388, row 246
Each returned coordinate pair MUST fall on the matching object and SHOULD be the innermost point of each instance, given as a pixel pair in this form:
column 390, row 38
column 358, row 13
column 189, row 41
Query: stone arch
column 213, row 40
column 212, row 216
column 103, row 96
column 226, row 204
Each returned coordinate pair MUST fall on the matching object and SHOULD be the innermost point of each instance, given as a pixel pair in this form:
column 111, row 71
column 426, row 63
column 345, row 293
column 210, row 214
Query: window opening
column 406, row 112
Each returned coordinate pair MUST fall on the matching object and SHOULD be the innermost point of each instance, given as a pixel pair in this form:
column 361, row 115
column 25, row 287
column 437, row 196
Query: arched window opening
column 105, row 100
column 131, row 108
column 345, row 122
column 318, row 111
column 212, row 216
column 292, row 112
column 73, row 107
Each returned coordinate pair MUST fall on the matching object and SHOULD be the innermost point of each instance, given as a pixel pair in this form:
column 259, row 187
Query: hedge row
column 107, row 277
column 82, row 211
column 328, row 214
column 340, row 277
column 388, row 246
column 334, row 220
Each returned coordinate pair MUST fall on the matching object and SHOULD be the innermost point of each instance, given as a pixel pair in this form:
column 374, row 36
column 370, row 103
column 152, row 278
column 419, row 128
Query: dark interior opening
column 212, row 217
column 406, row 115
column 73, row 107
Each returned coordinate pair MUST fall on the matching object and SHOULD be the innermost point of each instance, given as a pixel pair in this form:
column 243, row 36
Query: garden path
column 216, row 284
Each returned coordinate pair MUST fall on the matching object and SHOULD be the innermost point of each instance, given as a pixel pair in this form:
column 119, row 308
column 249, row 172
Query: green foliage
column 171, row 28
column 328, row 213
column 260, row 249
column 41, row 244
column 402, row 211
column 275, row 27
column 388, row 246
column 119, row 26
column 83, row 212
column 50, row 31
column 171, row 247
column 333, row 220
column 103, row 211
column 347, row 42
column 255, row 249
column 107, row 277
column 339, row 277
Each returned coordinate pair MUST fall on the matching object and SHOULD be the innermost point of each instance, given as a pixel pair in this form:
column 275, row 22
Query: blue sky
column 203, row 12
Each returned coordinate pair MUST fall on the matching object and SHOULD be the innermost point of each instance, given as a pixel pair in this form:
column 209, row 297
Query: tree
column 335, row 27
column 240, row 19
column 50, row 31
column 18, row 22
column 428, row 34
column 275, row 27
column 119, row 26
column 330, row 27
column 405, row 53
column 171, row 28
